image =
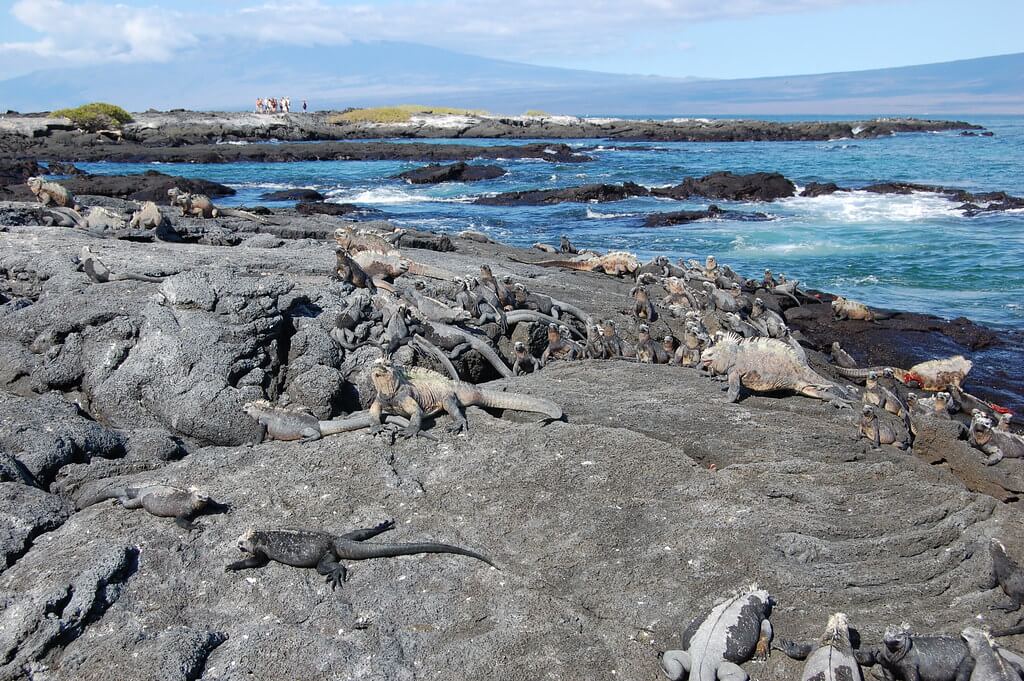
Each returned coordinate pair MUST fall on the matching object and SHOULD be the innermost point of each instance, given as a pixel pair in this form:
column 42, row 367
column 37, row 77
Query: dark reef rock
column 713, row 212
column 148, row 186
column 821, row 189
column 587, row 193
column 293, row 195
column 455, row 172
column 729, row 187
column 338, row 209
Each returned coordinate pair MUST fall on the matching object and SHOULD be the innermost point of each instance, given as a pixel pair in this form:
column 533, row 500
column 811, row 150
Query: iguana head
column 941, row 401
column 246, row 543
column 976, row 639
column 897, row 638
column 710, row 262
column 254, row 407
column 519, row 347
column 34, row 184
column 837, row 631
column 758, row 305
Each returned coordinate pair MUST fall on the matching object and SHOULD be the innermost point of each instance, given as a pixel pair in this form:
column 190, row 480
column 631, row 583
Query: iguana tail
column 477, row 344
column 861, row 373
column 516, row 316
column 138, row 277
column 1018, row 628
column 581, row 265
column 430, row 271
column 109, row 493
column 574, row 311
column 361, row 551
column 435, row 352
column 356, row 421
column 234, row 213
column 516, row 401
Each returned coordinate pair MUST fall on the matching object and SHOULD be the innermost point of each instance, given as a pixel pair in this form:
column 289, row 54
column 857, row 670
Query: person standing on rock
column 259, row 105
column 304, row 106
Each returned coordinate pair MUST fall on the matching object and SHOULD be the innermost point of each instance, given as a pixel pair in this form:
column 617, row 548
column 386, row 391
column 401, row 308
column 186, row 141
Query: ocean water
column 913, row 252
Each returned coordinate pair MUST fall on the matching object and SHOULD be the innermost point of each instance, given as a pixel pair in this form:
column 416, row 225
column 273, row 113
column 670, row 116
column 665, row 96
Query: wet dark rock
column 821, row 189
column 588, row 193
column 305, row 195
column 323, row 208
column 456, row 172
column 728, row 186
column 16, row 171
column 148, row 186
column 712, row 212
column 60, row 168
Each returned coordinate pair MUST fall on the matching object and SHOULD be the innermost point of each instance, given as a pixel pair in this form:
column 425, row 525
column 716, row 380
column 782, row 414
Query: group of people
column 276, row 105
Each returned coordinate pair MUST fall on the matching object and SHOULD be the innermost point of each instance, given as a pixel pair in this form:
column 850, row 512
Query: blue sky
column 706, row 38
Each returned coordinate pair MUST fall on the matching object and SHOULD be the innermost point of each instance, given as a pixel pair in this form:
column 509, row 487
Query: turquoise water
column 907, row 252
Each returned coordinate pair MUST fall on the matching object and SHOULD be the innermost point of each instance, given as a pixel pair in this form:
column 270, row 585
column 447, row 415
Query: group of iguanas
column 737, row 629
column 61, row 208
column 731, row 330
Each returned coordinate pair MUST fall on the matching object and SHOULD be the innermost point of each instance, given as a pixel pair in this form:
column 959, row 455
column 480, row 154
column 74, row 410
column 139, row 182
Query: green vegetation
column 536, row 112
column 96, row 116
column 398, row 114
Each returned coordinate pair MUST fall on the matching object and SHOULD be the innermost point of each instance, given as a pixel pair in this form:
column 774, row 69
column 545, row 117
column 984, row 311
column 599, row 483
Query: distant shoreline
column 27, row 135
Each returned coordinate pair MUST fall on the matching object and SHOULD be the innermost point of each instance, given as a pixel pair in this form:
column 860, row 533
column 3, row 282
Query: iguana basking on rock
column 851, row 309
column 768, row 322
column 147, row 217
column 933, row 375
column 200, row 206
column 832, row 658
column 354, row 242
column 881, row 432
column 766, row 365
column 390, row 266
column 997, row 445
column 416, row 392
column 560, row 345
column 989, row 664
column 325, row 551
column 285, row 423
column 52, row 193
column 841, row 357
column 165, row 501
column 525, row 363
column 616, row 263
column 101, row 274
column 643, row 308
column 732, row 632
column 904, row 656
column 102, row 219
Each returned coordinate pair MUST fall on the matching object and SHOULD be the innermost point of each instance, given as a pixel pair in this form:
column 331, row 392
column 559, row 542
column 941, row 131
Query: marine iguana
column 996, row 444
column 616, row 263
column 989, row 665
column 933, row 375
column 349, row 271
column 560, row 346
column 719, row 299
column 392, row 265
column 613, row 343
column 289, row 424
column 643, row 308
column 648, row 350
column 503, row 294
column 416, row 392
column 832, row 658
column 353, row 242
column 768, row 322
column 147, row 217
column 731, row 321
column 1008, row 576
column 766, row 365
column 164, row 501
column 101, row 274
column 688, row 352
column 565, row 246
column 679, row 294
column 787, row 288
column 732, row 632
column 768, row 281
column 880, row 432
column 525, row 362
column 841, row 357
column 200, row 206
column 851, row 309
column 904, row 656
column 544, row 248
column 51, row 192
column 325, row 551
column 879, row 396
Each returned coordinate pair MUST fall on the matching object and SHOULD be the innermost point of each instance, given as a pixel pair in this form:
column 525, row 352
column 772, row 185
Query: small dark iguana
column 164, row 501
column 324, row 551
column 416, row 392
column 284, row 423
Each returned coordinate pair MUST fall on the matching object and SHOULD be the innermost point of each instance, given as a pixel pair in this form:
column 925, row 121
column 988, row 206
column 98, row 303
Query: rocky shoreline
column 611, row 528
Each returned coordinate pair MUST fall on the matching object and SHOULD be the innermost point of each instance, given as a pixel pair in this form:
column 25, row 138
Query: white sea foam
column 387, row 196
column 595, row 215
column 239, row 143
column 867, row 207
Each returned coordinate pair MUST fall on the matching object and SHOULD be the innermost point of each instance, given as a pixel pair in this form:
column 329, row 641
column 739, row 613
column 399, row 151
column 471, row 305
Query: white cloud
column 98, row 31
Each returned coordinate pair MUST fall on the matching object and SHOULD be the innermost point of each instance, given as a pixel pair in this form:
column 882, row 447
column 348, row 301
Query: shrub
column 537, row 113
column 96, row 116
column 398, row 114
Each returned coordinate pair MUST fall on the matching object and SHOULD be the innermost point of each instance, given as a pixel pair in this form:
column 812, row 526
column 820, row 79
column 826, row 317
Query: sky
column 680, row 38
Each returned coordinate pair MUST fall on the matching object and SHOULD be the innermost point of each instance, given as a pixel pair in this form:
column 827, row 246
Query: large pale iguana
column 416, row 392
